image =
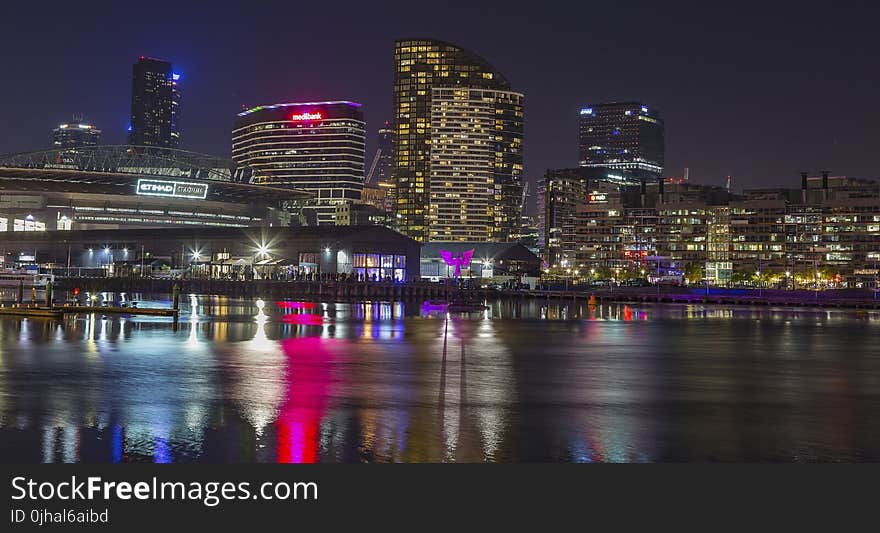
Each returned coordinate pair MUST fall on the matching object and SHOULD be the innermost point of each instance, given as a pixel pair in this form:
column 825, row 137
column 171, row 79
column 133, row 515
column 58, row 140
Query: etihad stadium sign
column 172, row 189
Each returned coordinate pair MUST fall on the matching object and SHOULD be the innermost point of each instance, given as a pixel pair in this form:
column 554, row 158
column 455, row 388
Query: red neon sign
column 306, row 116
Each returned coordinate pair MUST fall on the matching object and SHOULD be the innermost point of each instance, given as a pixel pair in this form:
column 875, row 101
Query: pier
column 359, row 291
column 32, row 312
column 267, row 289
column 850, row 299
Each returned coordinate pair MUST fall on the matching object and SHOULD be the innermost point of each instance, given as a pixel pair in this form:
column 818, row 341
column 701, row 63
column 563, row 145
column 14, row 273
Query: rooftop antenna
column 729, row 182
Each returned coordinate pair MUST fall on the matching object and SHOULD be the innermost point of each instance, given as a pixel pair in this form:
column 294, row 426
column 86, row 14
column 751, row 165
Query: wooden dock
column 58, row 312
column 108, row 309
column 32, row 312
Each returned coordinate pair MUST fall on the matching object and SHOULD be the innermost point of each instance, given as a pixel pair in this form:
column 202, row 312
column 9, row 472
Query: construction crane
column 373, row 166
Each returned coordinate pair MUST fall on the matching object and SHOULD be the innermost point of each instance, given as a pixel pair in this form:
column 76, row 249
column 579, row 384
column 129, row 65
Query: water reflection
column 530, row 380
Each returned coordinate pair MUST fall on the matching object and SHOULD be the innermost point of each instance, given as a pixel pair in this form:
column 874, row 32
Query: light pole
column 875, row 277
column 760, row 280
column 657, row 281
column 706, row 278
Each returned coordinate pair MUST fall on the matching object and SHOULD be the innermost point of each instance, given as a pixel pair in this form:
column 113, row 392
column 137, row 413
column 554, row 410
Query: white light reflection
column 259, row 392
column 193, row 339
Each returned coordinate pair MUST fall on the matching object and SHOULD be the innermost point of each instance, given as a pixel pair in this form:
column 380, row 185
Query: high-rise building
column 75, row 134
column 155, row 104
column 380, row 168
column 458, row 132
column 624, row 139
column 312, row 146
column 473, row 196
column 379, row 174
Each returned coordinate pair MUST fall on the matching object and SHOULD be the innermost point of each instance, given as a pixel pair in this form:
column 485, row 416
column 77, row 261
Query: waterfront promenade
column 360, row 290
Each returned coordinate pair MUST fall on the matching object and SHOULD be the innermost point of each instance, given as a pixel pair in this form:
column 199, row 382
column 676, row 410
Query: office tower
column 155, row 104
column 379, row 175
column 380, row 168
column 75, row 134
column 562, row 191
column 458, row 132
column 472, row 195
column 312, row 146
column 623, row 139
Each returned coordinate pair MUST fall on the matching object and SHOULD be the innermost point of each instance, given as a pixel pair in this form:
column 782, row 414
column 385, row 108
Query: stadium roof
column 117, row 169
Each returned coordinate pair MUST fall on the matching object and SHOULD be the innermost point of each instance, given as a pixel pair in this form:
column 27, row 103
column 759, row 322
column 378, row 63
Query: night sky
column 756, row 91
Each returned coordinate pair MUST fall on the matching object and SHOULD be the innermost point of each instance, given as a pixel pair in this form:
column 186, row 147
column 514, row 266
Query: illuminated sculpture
column 462, row 260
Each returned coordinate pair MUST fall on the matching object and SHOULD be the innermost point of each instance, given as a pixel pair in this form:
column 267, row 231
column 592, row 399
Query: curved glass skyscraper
column 458, row 131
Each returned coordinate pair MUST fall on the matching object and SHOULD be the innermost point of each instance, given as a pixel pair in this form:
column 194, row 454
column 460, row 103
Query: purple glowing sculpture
column 464, row 259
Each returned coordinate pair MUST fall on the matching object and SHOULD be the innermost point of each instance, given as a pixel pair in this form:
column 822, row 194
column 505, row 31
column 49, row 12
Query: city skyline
column 760, row 133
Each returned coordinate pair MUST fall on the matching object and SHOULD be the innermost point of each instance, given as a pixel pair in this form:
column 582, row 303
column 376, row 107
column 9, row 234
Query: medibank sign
column 306, row 116
column 172, row 189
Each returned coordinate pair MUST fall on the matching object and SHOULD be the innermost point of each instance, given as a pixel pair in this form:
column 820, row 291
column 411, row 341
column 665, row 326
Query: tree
column 741, row 277
column 694, row 272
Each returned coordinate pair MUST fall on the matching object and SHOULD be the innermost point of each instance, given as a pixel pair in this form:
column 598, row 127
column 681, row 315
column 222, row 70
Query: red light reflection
column 296, row 305
column 308, row 380
column 303, row 319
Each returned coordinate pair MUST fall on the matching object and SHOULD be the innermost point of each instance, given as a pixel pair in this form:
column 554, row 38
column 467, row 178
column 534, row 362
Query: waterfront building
column 719, row 268
column 757, row 232
column 365, row 252
column 473, row 194
column 501, row 261
column 360, row 214
column 598, row 233
column 115, row 187
column 10, row 222
column 561, row 192
column 830, row 227
column 155, row 104
column 541, row 217
column 624, row 138
column 75, row 134
column 317, row 147
column 458, row 128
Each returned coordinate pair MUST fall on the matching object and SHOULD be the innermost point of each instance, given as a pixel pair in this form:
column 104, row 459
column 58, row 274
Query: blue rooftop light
column 644, row 109
column 587, row 111
column 175, row 76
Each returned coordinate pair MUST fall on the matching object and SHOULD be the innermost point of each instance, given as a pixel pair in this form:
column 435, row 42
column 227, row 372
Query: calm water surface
column 524, row 381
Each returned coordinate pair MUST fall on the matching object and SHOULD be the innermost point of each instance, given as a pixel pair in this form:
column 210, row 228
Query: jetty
column 32, row 312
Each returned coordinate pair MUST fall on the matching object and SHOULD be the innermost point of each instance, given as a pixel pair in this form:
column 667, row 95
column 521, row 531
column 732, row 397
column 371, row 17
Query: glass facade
column 316, row 147
column 75, row 135
column 625, row 137
column 422, row 67
column 378, row 267
column 155, row 99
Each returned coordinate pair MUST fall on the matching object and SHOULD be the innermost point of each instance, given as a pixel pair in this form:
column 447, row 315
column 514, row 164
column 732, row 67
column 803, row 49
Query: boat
column 466, row 307
column 455, row 306
column 435, row 305
column 26, row 279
